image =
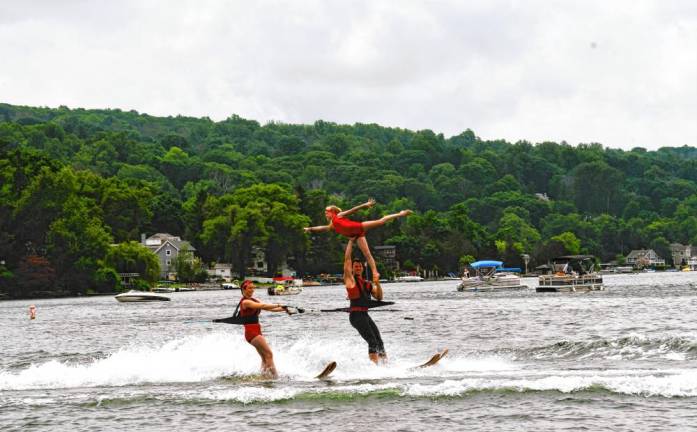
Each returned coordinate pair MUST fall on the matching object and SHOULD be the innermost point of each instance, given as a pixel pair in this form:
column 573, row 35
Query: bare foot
column 405, row 212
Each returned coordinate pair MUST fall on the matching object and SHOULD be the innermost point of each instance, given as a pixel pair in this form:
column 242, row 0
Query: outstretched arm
column 349, row 281
column 320, row 228
column 265, row 306
column 369, row 203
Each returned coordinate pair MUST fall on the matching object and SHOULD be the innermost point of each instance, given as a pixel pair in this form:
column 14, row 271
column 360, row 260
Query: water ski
column 433, row 360
column 329, row 368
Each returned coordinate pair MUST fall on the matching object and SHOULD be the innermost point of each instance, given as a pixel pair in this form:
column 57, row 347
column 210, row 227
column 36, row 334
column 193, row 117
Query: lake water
column 624, row 359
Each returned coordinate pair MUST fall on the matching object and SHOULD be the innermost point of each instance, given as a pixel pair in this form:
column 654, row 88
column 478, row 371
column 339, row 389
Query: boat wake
column 633, row 347
column 206, row 362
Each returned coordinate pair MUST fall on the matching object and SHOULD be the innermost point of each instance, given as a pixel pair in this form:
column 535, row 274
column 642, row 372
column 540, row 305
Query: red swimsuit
column 347, row 227
column 250, row 330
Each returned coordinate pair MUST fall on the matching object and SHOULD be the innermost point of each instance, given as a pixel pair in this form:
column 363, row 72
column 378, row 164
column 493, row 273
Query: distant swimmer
column 32, row 312
column 249, row 308
column 339, row 222
column 359, row 293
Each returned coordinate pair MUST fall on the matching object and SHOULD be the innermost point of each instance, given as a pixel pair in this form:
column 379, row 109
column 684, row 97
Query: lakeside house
column 167, row 248
column 684, row 255
column 258, row 265
column 387, row 256
column 221, row 271
column 640, row 258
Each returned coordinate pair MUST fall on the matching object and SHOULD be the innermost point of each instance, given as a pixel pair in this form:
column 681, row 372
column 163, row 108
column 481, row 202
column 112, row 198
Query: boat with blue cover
column 490, row 275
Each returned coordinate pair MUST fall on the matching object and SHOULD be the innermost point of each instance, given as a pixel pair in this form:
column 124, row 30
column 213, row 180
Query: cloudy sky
column 622, row 73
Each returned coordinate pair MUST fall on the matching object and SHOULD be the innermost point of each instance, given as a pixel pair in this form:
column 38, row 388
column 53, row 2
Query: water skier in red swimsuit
column 251, row 307
column 349, row 228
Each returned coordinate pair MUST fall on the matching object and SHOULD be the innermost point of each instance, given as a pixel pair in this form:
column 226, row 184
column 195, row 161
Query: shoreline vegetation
column 78, row 188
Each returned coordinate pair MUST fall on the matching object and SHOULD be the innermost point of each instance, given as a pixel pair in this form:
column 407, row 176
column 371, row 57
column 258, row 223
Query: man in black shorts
column 359, row 292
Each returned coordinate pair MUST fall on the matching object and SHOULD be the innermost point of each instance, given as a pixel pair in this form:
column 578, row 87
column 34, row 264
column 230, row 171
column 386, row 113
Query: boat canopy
column 480, row 264
column 510, row 269
column 282, row 278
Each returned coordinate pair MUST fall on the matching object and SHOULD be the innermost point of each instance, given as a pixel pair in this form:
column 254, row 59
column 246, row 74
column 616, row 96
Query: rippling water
column 623, row 359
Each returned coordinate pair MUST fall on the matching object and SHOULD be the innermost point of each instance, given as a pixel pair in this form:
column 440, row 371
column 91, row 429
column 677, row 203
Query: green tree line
column 74, row 183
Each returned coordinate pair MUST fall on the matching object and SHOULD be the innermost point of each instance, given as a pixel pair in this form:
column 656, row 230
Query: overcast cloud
column 621, row 73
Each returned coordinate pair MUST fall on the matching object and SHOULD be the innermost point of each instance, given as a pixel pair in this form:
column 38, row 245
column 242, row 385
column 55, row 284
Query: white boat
column 491, row 276
column 572, row 273
column 410, row 279
column 229, row 286
column 286, row 285
column 284, row 290
column 140, row 296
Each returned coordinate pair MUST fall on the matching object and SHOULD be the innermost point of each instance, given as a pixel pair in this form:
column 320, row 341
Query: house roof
column 636, row 253
column 165, row 238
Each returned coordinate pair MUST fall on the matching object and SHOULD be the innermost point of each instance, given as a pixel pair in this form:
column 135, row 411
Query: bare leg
column 363, row 246
column 368, row 225
column 268, row 367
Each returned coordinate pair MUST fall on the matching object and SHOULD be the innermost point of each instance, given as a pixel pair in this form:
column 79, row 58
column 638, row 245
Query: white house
column 644, row 258
column 221, row 271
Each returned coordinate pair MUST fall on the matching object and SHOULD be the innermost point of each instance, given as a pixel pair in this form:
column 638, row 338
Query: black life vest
column 364, row 289
column 239, row 318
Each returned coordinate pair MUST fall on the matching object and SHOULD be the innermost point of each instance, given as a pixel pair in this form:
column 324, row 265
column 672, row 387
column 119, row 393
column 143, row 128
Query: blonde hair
column 333, row 208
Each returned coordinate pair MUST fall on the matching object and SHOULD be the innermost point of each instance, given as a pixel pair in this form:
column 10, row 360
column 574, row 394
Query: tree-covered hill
column 75, row 181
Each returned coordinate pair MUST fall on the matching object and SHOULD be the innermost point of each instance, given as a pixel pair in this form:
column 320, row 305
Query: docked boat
column 140, row 296
column 572, row 273
column 491, row 276
column 229, row 286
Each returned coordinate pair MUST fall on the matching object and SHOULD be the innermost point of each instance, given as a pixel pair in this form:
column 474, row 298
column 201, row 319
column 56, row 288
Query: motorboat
column 411, row 278
column 283, row 289
column 140, row 296
column 572, row 273
column 229, row 286
column 286, row 285
column 491, row 276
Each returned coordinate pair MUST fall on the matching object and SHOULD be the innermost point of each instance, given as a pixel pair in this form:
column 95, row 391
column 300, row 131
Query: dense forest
column 76, row 182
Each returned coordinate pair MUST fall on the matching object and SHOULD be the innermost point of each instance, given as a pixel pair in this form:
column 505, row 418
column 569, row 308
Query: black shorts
column 366, row 327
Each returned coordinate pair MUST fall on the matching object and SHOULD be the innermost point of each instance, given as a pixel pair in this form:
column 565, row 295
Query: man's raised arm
column 349, row 281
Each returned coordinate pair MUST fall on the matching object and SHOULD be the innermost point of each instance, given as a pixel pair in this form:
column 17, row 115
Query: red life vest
column 360, row 295
column 248, row 312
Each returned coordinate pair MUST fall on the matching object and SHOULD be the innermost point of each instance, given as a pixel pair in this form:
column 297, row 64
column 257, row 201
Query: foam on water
column 212, row 355
column 193, row 358
column 681, row 384
column 631, row 346
column 203, row 357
